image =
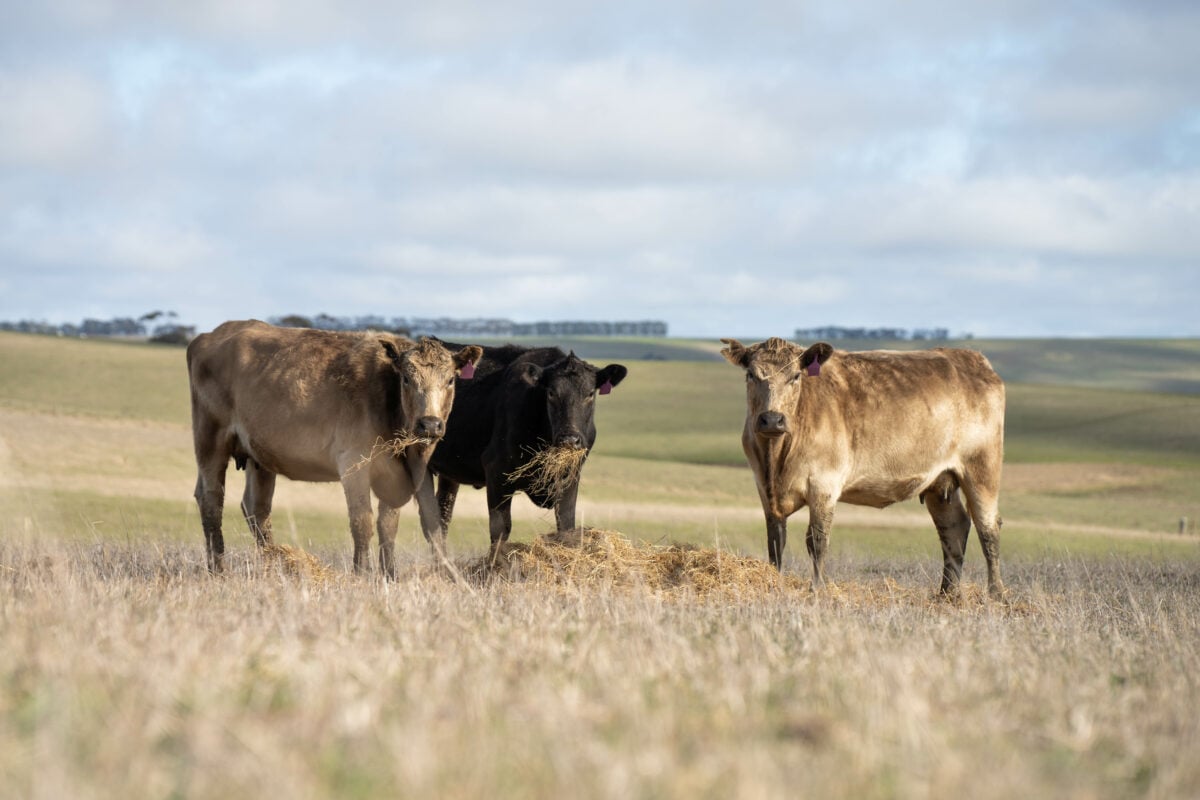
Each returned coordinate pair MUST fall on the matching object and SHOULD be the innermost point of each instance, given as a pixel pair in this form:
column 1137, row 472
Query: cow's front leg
column 820, row 521
column 499, row 515
column 564, row 507
column 386, row 523
column 430, row 512
column 776, row 539
column 356, row 483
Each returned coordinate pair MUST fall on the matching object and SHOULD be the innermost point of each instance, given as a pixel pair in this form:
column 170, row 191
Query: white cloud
column 53, row 120
column 734, row 170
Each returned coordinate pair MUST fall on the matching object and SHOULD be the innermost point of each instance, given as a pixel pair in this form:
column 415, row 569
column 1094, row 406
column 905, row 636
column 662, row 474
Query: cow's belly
column 288, row 460
column 299, row 468
column 883, row 491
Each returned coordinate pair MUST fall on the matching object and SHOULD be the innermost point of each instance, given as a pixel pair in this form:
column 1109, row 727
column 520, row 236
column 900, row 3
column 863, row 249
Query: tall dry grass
column 125, row 670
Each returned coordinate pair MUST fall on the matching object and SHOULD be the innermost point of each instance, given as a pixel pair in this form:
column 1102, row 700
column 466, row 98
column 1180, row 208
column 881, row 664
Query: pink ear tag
column 467, row 372
column 814, row 369
column 606, row 387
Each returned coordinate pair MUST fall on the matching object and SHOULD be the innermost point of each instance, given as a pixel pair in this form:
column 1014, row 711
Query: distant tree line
column 157, row 326
column 163, row 326
column 446, row 327
column 832, row 332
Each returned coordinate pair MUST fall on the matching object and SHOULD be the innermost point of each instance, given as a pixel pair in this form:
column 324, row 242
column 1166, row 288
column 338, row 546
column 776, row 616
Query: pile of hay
column 589, row 558
column 551, row 470
column 282, row 559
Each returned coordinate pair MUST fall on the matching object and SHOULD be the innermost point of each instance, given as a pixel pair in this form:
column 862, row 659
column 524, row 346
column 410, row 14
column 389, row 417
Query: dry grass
column 126, row 670
column 551, row 470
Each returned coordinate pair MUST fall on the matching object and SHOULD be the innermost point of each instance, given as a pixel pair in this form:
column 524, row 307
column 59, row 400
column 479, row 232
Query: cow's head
column 775, row 371
column 427, row 371
column 571, row 385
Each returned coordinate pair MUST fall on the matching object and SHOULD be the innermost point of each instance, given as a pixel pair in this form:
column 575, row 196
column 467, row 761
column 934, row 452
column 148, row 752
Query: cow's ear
column 531, row 374
column 816, row 355
column 467, row 357
column 392, row 353
column 610, row 376
column 736, row 353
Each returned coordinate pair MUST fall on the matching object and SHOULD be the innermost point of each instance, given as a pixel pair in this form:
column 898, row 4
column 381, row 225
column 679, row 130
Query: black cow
column 520, row 401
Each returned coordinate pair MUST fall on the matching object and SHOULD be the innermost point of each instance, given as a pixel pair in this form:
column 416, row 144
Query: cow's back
column 885, row 388
column 891, row 422
column 289, row 395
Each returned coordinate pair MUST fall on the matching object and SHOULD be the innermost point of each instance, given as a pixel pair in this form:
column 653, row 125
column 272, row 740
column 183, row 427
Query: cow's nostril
column 771, row 422
column 430, row 426
column 571, row 440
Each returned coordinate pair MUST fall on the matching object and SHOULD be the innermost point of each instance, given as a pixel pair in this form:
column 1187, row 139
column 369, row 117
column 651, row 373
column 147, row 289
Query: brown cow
column 874, row 428
column 316, row 405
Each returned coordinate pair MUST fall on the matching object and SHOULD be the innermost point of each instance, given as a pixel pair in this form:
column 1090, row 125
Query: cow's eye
column 794, row 378
column 450, row 382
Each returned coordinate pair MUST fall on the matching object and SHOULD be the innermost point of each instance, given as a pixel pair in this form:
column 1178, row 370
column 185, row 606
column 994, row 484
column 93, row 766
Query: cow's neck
column 774, row 460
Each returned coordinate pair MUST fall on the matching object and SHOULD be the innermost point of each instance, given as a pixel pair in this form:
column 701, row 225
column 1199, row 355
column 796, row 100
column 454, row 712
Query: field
column 126, row 671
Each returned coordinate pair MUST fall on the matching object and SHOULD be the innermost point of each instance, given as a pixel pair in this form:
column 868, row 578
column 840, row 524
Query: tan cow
column 316, row 405
column 874, row 428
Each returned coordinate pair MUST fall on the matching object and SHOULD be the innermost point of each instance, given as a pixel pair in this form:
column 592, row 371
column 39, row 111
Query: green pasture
column 669, row 442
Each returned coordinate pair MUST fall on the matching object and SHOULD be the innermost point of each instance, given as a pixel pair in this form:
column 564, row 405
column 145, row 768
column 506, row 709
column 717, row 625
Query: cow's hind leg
column 212, row 459
column 820, row 521
column 953, row 526
column 256, row 502
column 817, row 540
column 981, row 485
column 447, row 493
column 210, row 496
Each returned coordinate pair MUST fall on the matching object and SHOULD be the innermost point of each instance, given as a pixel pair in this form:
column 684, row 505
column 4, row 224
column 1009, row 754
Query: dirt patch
column 1071, row 478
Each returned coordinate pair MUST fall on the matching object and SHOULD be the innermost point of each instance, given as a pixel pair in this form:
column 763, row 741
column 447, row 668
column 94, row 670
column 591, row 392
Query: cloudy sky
column 1005, row 168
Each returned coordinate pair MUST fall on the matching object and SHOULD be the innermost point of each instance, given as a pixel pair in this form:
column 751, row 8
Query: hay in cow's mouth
column 552, row 470
column 393, row 447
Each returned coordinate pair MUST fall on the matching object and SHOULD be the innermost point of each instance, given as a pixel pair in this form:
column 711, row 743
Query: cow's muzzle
column 572, row 441
column 430, row 427
column 770, row 423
